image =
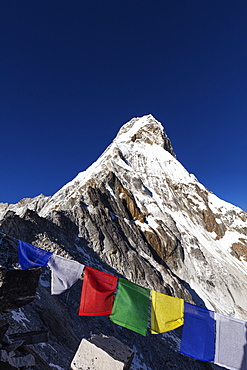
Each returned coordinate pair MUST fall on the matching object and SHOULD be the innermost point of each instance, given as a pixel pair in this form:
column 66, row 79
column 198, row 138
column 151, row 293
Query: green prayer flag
column 130, row 307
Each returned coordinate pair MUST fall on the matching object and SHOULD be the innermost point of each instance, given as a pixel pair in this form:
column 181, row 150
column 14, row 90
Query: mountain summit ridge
column 145, row 129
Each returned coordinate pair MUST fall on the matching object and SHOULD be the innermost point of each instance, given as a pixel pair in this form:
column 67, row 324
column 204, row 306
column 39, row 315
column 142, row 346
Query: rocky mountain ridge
column 136, row 212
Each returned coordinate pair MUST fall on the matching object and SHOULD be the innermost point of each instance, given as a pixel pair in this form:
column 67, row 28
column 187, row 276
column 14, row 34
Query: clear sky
column 73, row 72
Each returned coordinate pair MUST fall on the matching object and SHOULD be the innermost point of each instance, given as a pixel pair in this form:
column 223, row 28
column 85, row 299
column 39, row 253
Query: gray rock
column 102, row 352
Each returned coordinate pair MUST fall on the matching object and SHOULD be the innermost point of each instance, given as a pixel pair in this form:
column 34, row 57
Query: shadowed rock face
column 136, row 213
column 17, row 287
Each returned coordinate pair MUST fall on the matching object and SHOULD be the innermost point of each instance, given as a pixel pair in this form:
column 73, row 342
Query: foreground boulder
column 102, row 352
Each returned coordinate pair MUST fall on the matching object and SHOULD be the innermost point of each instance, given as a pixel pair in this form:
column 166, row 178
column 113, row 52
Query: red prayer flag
column 97, row 294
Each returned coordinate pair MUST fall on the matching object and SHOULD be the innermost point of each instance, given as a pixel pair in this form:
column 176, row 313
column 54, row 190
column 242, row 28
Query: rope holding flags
column 206, row 335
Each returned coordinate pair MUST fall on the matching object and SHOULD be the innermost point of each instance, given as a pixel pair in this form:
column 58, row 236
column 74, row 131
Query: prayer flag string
column 206, row 335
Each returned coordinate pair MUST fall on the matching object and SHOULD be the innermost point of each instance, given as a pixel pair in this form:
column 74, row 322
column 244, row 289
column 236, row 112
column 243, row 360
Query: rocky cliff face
column 136, row 212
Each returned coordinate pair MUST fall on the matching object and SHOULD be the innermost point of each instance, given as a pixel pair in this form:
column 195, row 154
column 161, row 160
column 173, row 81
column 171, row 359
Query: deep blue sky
column 73, row 72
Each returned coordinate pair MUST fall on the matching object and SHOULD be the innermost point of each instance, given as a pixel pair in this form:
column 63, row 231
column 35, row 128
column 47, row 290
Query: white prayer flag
column 231, row 343
column 64, row 273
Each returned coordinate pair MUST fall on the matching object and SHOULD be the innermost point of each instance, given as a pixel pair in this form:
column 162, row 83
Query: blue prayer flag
column 198, row 337
column 31, row 256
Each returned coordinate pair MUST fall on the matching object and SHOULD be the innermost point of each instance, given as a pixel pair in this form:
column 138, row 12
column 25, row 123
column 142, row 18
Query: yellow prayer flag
column 167, row 313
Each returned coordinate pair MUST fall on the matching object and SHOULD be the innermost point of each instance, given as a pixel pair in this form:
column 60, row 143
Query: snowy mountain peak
column 138, row 200
column 144, row 129
column 136, row 212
